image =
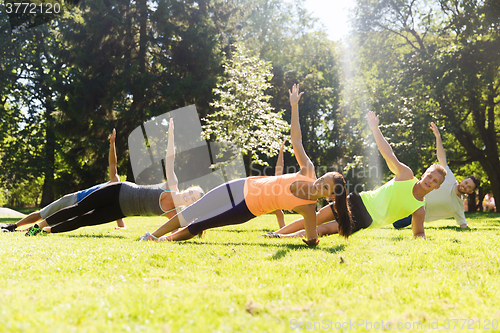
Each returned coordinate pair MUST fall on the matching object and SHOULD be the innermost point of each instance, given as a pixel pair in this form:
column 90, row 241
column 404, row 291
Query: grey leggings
column 224, row 205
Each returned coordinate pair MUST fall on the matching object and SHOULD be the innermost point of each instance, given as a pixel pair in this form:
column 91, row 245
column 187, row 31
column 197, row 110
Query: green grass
column 102, row 280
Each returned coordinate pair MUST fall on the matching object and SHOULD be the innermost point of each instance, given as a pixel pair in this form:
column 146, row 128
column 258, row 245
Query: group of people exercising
column 402, row 201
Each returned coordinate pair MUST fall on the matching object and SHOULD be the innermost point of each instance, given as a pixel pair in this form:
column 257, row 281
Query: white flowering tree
column 243, row 113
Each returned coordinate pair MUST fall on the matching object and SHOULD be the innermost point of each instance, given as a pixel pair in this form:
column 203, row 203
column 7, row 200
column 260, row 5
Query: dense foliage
column 66, row 84
column 117, row 63
column 435, row 61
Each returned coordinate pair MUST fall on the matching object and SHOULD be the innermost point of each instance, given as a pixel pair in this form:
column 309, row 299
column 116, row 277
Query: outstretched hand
column 435, row 129
column 112, row 137
column 311, row 242
column 294, row 95
column 283, row 145
column 170, row 143
column 372, row 120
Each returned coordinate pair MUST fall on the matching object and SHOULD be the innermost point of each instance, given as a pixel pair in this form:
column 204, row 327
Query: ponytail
column 341, row 207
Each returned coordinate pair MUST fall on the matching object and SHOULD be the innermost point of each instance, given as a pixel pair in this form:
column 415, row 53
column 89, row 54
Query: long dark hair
column 343, row 213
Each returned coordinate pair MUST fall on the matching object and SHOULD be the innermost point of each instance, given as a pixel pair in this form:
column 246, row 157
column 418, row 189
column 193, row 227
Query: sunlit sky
column 333, row 14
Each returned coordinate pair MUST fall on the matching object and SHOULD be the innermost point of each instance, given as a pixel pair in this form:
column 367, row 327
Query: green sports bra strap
column 168, row 211
column 159, row 202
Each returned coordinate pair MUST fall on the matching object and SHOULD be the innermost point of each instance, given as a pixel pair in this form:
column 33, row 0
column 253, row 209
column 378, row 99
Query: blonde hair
column 197, row 188
column 439, row 168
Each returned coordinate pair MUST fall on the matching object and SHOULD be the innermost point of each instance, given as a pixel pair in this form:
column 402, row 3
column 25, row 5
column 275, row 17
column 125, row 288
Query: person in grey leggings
column 121, row 199
column 71, row 198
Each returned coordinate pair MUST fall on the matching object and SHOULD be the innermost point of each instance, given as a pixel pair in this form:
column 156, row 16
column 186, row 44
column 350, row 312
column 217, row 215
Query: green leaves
column 444, row 66
column 243, row 114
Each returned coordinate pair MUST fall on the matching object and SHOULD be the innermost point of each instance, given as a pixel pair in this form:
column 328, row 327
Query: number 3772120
column 32, row 8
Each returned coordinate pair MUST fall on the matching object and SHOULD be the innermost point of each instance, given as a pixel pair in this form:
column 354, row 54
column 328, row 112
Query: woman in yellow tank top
column 241, row 200
column 398, row 198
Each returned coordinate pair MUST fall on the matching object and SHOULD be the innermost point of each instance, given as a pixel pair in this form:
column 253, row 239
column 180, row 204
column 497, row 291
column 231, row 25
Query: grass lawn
column 99, row 279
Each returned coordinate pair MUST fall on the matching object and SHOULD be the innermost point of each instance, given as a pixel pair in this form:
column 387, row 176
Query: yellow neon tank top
column 268, row 193
column 391, row 202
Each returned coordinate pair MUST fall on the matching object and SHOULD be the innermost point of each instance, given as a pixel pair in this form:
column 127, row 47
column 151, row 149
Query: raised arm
column 296, row 135
column 113, row 171
column 401, row 171
column 112, row 168
column 172, row 181
column 441, row 154
column 278, row 170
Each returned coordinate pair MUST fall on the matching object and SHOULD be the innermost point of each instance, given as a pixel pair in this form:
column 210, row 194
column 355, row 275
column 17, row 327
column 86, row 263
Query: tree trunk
column 50, row 138
column 50, row 145
column 471, row 204
column 48, row 182
column 247, row 160
column 481, row 198
column 494, row 178
column 138, row 60
column 487, row 157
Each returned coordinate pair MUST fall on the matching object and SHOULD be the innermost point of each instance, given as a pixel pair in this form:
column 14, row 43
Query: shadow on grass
column 482, row 215
column 284, row 248
column 202, row 242
column 399, row 238
column 336, row 249
column 279, row 254
column 283, row 252
column 457, row 228
column 460, row 229
column 9, row 219
column 96, row 236
column 245, row 230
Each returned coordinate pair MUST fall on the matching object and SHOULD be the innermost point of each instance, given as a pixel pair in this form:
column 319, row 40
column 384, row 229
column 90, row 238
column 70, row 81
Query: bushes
column 27, row 193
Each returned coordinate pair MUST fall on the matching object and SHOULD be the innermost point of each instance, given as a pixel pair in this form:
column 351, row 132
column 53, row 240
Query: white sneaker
column 148, row 237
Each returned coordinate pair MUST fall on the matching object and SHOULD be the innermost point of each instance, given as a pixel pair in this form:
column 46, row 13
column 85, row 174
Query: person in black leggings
column 121, row 199
column 99, row 207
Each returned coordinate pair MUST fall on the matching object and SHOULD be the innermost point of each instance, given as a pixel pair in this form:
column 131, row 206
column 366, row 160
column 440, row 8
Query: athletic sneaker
column 271, row 234
column 148, row 237
column 8, row 227
column 33, row 231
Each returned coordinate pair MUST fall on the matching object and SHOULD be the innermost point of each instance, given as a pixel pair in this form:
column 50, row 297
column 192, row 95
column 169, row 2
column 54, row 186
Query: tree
column 243, row 115
column 128, row 62
column 31, row 70
column 118, row 63
column 446, row 63
column 285, row 34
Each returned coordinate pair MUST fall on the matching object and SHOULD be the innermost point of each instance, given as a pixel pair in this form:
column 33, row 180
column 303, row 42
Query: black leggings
column 359, row 215
column 99, row 207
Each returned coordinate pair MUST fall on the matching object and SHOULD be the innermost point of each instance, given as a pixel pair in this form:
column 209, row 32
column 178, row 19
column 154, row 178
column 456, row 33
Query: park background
column 65, row 84
column 104, row 64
